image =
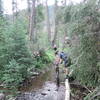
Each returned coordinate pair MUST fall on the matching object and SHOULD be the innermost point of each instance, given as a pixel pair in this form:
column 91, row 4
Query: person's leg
column 57, row 76
column 67, row 72
column 66, row 69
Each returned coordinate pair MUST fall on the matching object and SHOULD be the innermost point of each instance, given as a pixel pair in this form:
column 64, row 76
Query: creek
column 42, row 87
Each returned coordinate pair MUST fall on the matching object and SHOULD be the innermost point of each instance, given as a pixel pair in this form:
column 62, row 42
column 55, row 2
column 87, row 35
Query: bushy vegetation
column 83, row 28
column 42, row 58
column 86, row 29
column 80, row 23
column 15, row 55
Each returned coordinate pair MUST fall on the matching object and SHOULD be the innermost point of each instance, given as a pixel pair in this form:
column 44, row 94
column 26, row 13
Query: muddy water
column 47, row 92
column 37, row 82
column 43, row 87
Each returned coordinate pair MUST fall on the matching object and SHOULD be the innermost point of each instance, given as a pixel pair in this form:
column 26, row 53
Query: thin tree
column 32, row 21
column 14, row 9
column 48, row 22
column 28, row 13
column 29, row 6
column 65, row 2
column 1, row 9
column 56, row 23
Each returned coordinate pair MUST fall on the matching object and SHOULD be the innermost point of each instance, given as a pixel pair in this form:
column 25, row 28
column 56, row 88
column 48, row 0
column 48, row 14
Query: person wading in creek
column 64, row 58
column 56, row 63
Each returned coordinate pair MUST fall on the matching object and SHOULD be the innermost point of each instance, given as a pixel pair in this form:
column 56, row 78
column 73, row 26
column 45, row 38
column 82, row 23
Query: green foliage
column 12, row 75
column 87, row 64
column 2, row 45
column 42, row 59
column 14, row 54
column 50, row 54
column 83, row 28
column 67, row 14
column 93, row 95
column 39, row 13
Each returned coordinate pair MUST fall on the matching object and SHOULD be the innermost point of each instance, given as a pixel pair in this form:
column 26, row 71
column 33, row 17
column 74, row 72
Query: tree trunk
column 14, row 9
column 29, row 6
column 32, row 21
column 56, row 23
column 1, row 9
column 65, row 2
column 29, row 13
column 48, row 23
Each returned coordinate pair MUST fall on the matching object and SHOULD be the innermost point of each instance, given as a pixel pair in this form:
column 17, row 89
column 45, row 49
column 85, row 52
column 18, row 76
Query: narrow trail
column 44, row 88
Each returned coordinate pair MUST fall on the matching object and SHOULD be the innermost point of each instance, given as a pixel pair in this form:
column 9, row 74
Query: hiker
column 57, row 59
column 57, row 62
column 67, row 62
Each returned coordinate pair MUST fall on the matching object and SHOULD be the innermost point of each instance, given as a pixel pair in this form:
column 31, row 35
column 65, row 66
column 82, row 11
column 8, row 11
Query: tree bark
column 14, row 9
column 48, row 23
column 56, row 23
column 65, row 2
column 1, row 9
column 29, row 6
column 32, row 21
column 28, row 13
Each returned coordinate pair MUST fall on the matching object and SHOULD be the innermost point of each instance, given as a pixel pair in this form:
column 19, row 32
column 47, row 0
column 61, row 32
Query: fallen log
column 67, row 91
